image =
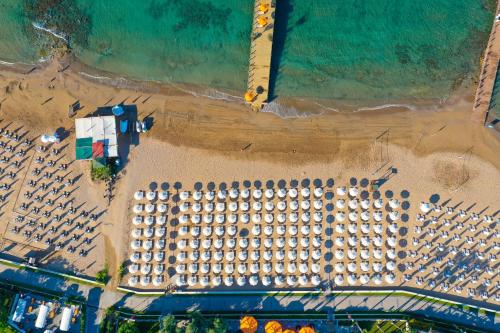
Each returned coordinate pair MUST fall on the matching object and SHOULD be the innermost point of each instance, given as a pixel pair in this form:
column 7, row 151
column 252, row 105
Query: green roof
column 83, row 153
column 99, row 162
column 84, row 142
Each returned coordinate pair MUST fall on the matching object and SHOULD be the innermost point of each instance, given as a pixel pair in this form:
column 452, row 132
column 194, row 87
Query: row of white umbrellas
column 183, row 280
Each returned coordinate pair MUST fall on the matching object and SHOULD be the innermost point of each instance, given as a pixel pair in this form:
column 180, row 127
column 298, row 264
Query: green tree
column 218, row 326
column 103, row 275
column 128, row 327
column 193, row 328
column 168, row 324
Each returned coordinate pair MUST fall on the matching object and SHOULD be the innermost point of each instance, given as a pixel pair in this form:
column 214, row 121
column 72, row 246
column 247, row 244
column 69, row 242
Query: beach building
column 96, row 138
column 41, row 319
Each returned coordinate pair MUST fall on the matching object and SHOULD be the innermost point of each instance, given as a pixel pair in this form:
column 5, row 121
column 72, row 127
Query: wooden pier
column 261, row 46
column 489, row 69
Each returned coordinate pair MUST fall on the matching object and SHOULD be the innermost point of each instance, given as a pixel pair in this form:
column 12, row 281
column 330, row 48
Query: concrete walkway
column 99, row 300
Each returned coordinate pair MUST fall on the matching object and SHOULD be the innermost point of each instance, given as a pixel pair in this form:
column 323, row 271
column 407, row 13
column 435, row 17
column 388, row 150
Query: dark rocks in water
column 64, row 16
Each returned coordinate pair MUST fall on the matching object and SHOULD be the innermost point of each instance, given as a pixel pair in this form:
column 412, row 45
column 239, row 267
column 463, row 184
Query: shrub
column 103, row 275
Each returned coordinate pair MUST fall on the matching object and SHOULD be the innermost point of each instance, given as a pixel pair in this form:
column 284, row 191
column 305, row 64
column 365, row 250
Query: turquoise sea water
column 351, row 50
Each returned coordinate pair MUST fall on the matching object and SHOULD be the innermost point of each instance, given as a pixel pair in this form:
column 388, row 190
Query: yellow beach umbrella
column 273, row 327
column 249, row 96
column 248, row 324
column 262, row 20
column 289, row 331
column 263, row 8
column 306, row 329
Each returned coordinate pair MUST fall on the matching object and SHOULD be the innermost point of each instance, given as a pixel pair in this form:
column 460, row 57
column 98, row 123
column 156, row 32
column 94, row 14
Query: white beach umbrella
column 425, row 207
column 184, row 207
column 163, row 195
column 339, row 279
column 133, row 268
column 216, row 281
column 294, row 205
column 378, row 216
column 339, row 228
column 279, row 268
column 233, row 193
column 353, row 204
column 257, row 194
column 377, row 267
column 281, row 230
column 207, row 231
column 305, row 229
column 232, row 218
column 280, row 255
column 268, row 243
column 161, row 220
column 352, row 228
column 305, row 204
column 136, row 232
column 151, row 195
column 254, row 280
column 184, row 195
column 305, row 192
column 204, row 281
column 218, row 256
column 222, row 194
column 147, row 244
column 160, row 244
column 243, row 243
column 245, row 193
column 230, row 256
column 256, row 218
column 137, row 220
column 293, row 230
column 391, row 254
column 318, row 204
column 219, row 230
column 378, row 204
column 281, row 205
column 304, row 242
column 291, row 280
column 257, row 206
column 228, row 281
column 317, row 242
column 148, row 232
column 209, row 207
column 315, row 268
column 280, row 242
column 255, row 256
column 365, row 254
column 352, row 253
column 352, row 241
column 390, row 278
column 378, row 229
column 351, row 267
column 210, row 195
column 317, row 229
column 340, row 204
column 303, row 280
column 267, row 268
column 316, row 254
column 339, row 267
column 218, row 243
column 377, row 279
column 281, row 193
column 352, row 279
column 233, row 206
column 339, row 254
column 139, row 195
column 341, row 190
column 291, row 268
column 318, row 192
column 318, row 216
column 162, row 208
column 293, row 217
column 266, row 280
column 135, row 244
column 315, row 280
column 269, row 206
column 232, row 230
column 305, row 217
column 394, row 203
column 268, row 230
column 268, row 218
column 138, row 208
column 353, row 216
column 196, row 219
column 268, row 255
column 292, row 242
column 269, row 193
column 255, row 243
column 392, row 241
column 195, row 231
column 365, row 241
column 365, row 204
column 183, row 219
column 304, row 254
column 147, row 256
column 377, row 240
column 231, row 243
column 241, row 281
column 339, row 241
column 393, row 227
column 364, row 279
column 244, row 218
column 279, row 280
column 365, row 228
column 394, row 216
column 365, row 216
column 390, row 265
column 145, row 281
column 292, row 193
column 364, row 266
column 182, row 243
column 209, row 218
column 217, row 268
column 353, row 191
column 244, row 206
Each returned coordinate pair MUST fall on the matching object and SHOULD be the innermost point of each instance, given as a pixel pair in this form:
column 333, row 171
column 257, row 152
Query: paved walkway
column 99, row 300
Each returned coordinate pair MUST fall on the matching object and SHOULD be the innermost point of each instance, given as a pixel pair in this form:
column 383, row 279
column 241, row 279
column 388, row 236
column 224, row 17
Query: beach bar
column 96, row 138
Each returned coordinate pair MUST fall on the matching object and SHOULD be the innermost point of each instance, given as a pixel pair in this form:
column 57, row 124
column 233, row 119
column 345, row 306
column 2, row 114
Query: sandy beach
column 198, row 139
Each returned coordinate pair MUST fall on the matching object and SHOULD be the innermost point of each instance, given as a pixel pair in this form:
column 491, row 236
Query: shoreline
column 296, row 107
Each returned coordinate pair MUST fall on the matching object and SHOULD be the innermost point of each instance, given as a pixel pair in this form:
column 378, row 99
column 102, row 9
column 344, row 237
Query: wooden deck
column 260, row 54
column 488, row 75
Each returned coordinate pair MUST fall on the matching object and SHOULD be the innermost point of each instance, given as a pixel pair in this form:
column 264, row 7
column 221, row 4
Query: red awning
column 97, row 149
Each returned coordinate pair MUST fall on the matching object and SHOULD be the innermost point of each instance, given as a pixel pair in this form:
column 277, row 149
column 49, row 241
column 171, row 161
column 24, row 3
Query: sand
column 439, row 151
